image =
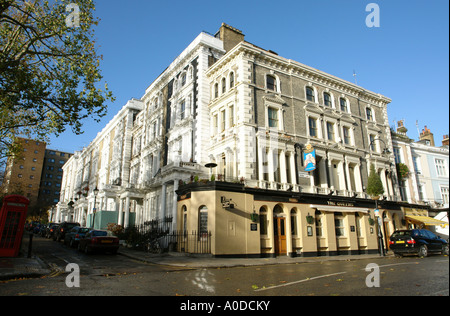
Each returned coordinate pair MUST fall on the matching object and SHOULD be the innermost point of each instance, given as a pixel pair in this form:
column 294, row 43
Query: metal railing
column 156, row 237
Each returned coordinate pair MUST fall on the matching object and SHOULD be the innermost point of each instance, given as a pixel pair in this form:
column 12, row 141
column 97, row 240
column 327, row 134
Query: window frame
column 310, row 94
column 275, row 87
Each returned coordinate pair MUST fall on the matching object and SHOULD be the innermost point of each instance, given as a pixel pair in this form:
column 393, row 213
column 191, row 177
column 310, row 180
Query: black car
column 63, row 229
column 72, row 238
column 51, row 230
column 417, row 241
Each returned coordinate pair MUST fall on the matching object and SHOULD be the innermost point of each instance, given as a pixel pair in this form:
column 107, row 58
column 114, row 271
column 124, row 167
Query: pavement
column 34, row 267
column 208, row 261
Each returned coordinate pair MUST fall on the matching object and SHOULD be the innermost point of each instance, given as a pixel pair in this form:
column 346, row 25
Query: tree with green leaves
column 49, row 69
column 374, row 185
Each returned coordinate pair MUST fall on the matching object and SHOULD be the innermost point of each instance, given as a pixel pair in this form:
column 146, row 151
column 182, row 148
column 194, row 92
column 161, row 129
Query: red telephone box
column 12, row 221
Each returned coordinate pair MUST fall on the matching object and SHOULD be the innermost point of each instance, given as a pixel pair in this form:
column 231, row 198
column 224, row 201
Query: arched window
column 231, row 80
column 263, row 220
column 271, row 83
column 294, row 222
column 369, row 114
column 310, row 94
column 216, row 90
column 278, row 210
column 183, row 79
column 203, row 220
column 343, row 104
column 327, row 99
column 224, row 85
column 184, row 212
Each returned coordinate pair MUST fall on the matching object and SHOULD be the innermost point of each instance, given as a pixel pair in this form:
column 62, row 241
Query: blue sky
column 405, row 59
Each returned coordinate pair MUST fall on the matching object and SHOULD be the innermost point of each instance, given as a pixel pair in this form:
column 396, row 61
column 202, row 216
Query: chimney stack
column 427, row 135
column 445, row 141
column 230, row 36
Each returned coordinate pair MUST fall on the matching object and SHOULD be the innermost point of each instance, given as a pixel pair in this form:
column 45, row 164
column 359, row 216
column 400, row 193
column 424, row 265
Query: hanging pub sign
column 309, row 158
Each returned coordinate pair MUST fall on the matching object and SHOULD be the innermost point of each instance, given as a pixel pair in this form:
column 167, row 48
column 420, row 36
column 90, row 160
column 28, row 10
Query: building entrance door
column 279, row 227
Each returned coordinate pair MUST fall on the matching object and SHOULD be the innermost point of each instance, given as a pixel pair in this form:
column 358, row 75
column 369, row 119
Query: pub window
column 294, row 222
column 319, row 223
column 184, row 219
column 203, row 220
column 339, row 225
column 263, row 221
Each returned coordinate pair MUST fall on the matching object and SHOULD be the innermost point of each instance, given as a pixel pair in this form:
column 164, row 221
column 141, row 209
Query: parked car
column 43, row 230
column 52, row 228
column 417, row 241
column 99, row 240
column 72, row 238
column 63, row 229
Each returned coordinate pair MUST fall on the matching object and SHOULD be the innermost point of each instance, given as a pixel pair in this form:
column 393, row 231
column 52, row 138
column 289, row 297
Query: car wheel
column 423, row 251
column 445, row 250
column 398, row 255
column 79, row 247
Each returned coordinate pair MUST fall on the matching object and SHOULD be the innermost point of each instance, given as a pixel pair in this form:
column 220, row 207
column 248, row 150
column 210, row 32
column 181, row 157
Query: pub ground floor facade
column 252, row 222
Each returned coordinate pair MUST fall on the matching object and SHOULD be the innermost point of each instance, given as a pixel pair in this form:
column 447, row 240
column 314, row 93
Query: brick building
column 36, row 174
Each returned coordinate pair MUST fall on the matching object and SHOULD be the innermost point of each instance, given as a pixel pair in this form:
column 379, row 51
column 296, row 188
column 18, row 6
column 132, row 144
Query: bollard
column 30, row 244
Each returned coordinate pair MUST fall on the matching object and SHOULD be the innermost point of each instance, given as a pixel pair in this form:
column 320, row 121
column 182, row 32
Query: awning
column 343, row 209
column 427, row 221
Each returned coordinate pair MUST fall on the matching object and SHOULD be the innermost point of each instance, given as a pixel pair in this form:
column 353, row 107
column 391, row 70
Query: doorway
column 279, row 227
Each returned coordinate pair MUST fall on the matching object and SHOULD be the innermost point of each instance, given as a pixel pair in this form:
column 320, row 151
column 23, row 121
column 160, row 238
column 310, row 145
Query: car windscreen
column 72, row 225
column 83, row 230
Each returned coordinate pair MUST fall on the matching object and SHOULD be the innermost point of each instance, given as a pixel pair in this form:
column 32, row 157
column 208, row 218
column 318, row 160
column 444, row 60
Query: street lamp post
column 95, row 204
column 386, row 152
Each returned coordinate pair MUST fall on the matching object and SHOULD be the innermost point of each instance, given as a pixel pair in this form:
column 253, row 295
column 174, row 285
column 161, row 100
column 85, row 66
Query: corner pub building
column 251, row 116
column 261, row 202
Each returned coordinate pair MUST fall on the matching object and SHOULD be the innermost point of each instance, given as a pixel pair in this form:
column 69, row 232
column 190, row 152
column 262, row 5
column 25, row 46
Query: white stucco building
column 245, row 109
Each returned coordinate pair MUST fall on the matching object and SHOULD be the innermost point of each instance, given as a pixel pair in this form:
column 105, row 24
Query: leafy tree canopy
column 49, row 69
column 374, row 185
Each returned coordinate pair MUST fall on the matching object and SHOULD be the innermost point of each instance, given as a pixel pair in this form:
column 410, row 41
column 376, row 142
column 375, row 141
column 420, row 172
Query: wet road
column 117, row 275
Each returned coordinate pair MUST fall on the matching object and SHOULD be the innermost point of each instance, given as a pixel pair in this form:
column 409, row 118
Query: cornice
column 294, row 68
